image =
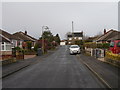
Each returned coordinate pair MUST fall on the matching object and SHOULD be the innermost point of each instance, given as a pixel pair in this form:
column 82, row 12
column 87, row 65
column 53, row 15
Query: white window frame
column 14, row 42
column 5, row 46
column 80, row 38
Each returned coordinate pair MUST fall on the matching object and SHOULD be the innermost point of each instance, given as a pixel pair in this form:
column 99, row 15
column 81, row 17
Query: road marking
column 95, row 73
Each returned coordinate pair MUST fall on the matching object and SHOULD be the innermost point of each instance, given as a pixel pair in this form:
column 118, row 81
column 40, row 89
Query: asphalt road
column 59, row 70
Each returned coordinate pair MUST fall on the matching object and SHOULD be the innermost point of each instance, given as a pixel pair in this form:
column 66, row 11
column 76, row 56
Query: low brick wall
column 29, row 56
column 5, row 57
column 5, row 52
column 19, row 57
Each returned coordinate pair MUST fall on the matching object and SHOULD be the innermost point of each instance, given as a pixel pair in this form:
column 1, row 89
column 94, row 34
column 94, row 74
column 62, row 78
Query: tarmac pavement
column 109, row 73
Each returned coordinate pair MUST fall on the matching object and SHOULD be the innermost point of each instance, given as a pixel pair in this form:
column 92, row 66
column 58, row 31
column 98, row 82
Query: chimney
column 104, row 31
column 25, row 32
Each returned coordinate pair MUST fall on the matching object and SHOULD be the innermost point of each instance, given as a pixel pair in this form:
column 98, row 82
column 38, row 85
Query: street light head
column 46, row 27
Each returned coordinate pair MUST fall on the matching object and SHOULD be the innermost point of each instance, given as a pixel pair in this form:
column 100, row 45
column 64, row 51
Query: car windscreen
column 74, row 47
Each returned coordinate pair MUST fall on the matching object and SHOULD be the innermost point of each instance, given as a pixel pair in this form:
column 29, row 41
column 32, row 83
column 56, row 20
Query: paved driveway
column 59, row 70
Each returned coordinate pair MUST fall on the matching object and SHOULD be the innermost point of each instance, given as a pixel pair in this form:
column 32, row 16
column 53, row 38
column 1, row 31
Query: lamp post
column 43, row 27
column 72, row 33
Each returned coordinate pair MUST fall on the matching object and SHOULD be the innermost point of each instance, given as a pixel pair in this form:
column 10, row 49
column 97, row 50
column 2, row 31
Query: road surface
column 59, row 70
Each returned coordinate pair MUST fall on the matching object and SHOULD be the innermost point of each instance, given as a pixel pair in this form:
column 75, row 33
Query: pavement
column 29, row 56
column 59, row 69
column 21, row 64
column 109, row 73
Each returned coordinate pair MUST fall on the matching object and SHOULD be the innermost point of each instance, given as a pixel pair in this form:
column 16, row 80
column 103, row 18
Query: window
column 18, row 43
column 14, row 43
column 112, row 44
column 74, row 47
column 6, row 46
column 2, row 47
column 80, row 38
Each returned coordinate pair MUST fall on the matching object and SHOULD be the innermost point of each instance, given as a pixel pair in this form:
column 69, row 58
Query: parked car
column 115, row 46
column 74, row 49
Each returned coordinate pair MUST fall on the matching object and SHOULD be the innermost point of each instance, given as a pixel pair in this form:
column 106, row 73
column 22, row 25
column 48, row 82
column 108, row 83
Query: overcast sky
column 89, row 17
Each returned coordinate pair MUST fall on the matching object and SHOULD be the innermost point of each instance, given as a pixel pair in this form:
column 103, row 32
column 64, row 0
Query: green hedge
column 97, row 45
column 112, row 56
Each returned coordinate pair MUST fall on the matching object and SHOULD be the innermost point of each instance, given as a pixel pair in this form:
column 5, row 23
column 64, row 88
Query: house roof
column 76, row 34
column 8, row 35
column 110, row 35
column 3, row 39
column 90, row 39
column 24, row 36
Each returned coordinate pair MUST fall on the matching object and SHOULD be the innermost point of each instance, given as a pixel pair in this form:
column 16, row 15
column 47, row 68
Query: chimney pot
column 104, row 31
column 25, row 32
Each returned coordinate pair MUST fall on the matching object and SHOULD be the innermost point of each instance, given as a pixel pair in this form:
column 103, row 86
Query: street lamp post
column 72, row 33
column 43, row 48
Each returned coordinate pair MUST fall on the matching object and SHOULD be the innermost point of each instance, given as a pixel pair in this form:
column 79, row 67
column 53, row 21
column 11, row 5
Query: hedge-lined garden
column 112, row 56
column 97, row 45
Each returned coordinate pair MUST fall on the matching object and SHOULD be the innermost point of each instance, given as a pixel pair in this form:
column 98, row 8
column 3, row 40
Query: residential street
column 59, row 45
column 59, row 70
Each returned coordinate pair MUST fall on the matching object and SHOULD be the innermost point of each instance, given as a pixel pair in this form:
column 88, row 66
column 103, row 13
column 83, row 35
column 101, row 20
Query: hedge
column 97, row 45
column 112, row 56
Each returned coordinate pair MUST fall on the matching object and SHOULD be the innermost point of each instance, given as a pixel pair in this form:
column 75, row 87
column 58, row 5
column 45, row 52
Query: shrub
column 97, row 45
column 105, row 45
column 29, row 45
column 78, row 42
column 18, row 48
column 36, row 47
column 90, row 45
column 112, row 56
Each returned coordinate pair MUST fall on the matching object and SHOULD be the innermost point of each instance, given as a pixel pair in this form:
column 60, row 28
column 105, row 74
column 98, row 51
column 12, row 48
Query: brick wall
column 5, row 52
column 4, row 55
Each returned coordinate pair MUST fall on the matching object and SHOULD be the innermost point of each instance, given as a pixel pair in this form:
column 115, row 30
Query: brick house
column 7, row 42
column 25, row 37
column 108, row 36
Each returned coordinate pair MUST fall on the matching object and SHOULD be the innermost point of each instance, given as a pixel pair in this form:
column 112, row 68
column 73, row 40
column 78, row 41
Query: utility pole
column 72, row 32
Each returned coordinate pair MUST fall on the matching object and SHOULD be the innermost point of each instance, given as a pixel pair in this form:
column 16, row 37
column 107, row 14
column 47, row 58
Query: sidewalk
column 20, row 64
column 29, row 56
column 108, row 72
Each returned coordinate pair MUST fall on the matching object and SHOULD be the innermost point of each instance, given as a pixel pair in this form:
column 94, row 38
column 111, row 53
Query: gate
column 98, row 53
